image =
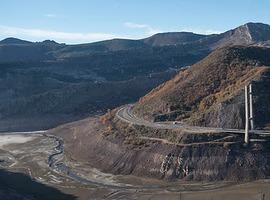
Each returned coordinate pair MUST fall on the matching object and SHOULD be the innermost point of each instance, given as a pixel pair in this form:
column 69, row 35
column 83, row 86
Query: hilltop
column 210, row 93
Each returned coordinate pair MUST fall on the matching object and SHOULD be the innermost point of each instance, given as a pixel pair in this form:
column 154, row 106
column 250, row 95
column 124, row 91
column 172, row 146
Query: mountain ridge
column 249, row 29
column 86, row 77
column 12, row 40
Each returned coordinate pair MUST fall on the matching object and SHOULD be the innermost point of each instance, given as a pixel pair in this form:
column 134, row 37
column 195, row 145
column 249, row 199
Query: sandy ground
column 14, row 139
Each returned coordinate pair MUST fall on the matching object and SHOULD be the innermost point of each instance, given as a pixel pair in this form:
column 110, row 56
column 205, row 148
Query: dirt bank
column 119, row 148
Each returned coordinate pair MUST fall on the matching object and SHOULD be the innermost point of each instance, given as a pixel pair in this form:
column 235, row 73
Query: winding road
column 125, row 114
column 55, row 159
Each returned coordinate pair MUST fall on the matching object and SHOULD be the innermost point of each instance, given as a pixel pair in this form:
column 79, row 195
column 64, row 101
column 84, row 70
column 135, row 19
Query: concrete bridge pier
column 246, row 116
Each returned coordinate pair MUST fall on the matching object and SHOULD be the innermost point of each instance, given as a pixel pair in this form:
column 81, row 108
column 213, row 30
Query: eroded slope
column 210, row 93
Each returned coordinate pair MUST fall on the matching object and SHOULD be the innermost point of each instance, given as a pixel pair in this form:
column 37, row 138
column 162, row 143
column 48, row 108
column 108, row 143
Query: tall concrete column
column 251, row 107
column 247, row 116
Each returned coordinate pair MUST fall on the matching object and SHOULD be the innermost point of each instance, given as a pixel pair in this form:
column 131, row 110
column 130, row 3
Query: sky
column 82, row 21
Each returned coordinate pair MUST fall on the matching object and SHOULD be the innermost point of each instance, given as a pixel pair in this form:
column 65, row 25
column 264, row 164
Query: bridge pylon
column 246, row 116
column 249, row 117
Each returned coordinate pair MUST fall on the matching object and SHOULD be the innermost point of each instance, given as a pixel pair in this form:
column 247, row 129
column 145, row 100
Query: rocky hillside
column 210, row 93
column 50, row 83
column 246, row 34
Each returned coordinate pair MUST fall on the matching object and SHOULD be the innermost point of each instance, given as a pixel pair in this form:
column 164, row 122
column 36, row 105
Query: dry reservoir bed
column 29, row 154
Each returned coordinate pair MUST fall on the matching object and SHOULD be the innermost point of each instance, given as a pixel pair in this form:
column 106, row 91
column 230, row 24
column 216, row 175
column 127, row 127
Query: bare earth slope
column 116, row 147
column 210, row 93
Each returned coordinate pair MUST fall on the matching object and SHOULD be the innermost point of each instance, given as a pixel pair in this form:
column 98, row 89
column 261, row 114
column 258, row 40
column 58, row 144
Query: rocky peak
column 50, row 42
column 258, row 31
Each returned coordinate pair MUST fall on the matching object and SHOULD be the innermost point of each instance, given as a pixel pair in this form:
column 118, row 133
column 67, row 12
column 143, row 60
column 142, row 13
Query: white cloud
column 50, row 15
column 201, row 31
column 41, row 34
column 134, row 25
column 149, row 30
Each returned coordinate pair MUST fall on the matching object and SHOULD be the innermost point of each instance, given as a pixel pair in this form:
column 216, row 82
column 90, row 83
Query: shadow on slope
column 18, row 186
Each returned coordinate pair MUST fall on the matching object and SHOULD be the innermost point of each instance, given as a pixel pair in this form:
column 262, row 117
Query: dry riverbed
column 28, row 154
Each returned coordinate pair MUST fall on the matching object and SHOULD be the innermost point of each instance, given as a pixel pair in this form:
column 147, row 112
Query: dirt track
column 125, row 114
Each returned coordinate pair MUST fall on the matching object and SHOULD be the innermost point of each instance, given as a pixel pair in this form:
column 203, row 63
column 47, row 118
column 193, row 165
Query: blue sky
column 79, row 21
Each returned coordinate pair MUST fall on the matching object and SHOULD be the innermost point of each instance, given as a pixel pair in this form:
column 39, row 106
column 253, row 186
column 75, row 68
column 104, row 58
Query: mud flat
column 14, row 139
column 34, row 156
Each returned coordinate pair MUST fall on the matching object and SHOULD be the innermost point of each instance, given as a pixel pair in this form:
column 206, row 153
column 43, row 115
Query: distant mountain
column 249, row 33
column 243, row 35
column 66, row 82
column 258, row 31
column 50, row 42
column 106, row 47
column 12, row 41
column 210, row 93
column 172, row 38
